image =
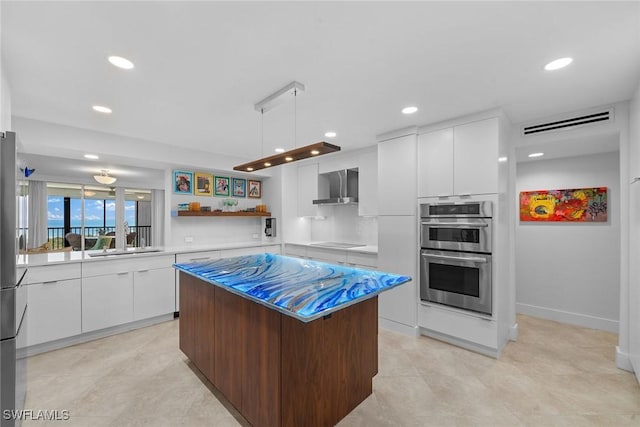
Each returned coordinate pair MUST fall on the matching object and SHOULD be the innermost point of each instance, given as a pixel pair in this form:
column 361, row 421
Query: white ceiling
column 201, row 66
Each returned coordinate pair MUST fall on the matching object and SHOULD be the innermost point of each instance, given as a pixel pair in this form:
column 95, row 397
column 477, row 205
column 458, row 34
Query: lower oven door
column 457, row 279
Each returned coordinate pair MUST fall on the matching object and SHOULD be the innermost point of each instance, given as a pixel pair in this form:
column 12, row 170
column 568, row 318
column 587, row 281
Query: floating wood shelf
column 194, row 213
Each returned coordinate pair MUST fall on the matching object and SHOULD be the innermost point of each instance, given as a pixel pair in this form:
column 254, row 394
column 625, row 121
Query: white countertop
column 48, row 258
column 368, row 249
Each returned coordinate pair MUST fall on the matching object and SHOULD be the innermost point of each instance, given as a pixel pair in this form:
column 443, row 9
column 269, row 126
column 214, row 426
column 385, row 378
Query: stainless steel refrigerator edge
column 12, row 315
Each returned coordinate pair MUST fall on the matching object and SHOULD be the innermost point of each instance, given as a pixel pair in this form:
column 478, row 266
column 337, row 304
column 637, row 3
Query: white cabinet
column 307, row 189
column 397, row 176
column 435, row 163
column 141, row 287
column 107, row 300
column 475, row 153
column 368, row 184
column 332, row 256
column 54, row 310
column 459, row 160
column 361, row 260
column 397, row 253
column 295, row 250
column 153, row 292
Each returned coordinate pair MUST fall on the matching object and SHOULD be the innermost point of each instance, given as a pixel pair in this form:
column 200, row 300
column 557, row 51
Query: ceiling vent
column 588, row 119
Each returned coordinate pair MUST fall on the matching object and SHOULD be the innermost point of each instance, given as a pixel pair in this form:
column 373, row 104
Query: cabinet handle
column 143, row 271
column 50, row 282
column 123, row 273
column 200, row 259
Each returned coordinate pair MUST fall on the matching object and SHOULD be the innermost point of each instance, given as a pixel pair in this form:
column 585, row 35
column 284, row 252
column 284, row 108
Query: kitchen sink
column 117, row 253
column 337, row 245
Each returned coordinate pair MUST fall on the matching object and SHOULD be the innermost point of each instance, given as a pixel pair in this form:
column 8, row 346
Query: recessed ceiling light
column 536, row 154
column 91, row 156
column 121, row 62
column 502, row 159
column 409, row 110
column 102, row 109
column 558, row 63
column 288, row 159
column 140, row 197
column 267, row 164
column 330, row 134
column 279, row 150
column 249, row 169
column 315, row 152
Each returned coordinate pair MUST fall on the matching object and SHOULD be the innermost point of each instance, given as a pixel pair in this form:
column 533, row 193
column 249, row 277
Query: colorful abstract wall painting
column 571, row 205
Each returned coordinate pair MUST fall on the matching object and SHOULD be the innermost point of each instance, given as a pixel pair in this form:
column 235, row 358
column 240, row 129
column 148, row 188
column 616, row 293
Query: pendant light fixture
column 104, row 178
column 297, row 153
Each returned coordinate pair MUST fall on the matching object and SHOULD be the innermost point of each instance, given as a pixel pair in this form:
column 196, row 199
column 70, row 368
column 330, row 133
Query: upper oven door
column 458, row 234
column 480, row 209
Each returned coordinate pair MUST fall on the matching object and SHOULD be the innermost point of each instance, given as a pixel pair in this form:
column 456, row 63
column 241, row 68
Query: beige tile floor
column 554, row 375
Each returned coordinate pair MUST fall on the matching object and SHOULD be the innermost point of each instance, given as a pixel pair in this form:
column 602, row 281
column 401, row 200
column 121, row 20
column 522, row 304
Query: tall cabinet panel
column 397, row 252
column 397, row 176
column 475, row 152
column 397, row 229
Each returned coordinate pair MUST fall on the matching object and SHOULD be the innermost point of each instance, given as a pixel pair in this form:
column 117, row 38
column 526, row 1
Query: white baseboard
column 400, row 328
column 478, row 348
column 89, row 336
column 513, row 332
column 623, row 361
column 577, row 319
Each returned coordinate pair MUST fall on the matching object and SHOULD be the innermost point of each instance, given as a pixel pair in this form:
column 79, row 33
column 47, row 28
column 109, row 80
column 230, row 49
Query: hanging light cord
column 262, row 129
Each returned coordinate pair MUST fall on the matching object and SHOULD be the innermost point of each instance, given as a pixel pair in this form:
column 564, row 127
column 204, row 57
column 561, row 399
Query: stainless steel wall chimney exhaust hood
column 338, row 188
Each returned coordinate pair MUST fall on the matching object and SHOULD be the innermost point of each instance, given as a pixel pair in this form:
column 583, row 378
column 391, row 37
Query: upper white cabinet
column 435, row 163
column 397, row 176
column 475, row 153
column 368, row 184
column 459, row 160
column 307, row 189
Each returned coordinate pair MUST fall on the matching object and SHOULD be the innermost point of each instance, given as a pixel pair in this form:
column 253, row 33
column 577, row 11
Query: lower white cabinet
column 107, row 301
column 54, row 311
column 153, row 293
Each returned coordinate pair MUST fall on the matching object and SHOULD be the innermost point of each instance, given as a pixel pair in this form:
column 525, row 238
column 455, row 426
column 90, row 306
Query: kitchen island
column 287, row 341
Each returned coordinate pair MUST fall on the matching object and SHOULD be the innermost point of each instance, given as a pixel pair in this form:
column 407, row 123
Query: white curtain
column 157, row 218
column 37, row 214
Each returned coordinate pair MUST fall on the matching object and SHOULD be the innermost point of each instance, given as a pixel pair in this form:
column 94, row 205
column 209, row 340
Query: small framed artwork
column 222, row 185
column 255, row 189
column 239, row 186
column 204, row 184
column 182, row 182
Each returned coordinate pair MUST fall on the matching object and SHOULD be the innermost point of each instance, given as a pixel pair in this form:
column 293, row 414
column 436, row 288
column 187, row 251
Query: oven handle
column 477, row 260
column 456, row 224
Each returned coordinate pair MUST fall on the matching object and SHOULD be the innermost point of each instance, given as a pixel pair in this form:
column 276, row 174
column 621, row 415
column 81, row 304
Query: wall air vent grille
column 568, row 123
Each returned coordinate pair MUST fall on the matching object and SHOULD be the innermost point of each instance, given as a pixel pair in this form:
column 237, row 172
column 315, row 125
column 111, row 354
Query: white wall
column 5, row 102
column 342, row 224
column 570, row 272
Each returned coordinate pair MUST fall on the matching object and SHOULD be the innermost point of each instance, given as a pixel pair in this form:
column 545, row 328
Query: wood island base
column 274, row 369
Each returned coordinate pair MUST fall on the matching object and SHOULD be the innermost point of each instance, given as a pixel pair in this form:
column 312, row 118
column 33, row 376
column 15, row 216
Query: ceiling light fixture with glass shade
column 297, row 153
column 104, row 177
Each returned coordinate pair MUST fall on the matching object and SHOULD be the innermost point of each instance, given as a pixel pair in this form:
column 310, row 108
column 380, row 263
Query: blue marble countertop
column 300, row 288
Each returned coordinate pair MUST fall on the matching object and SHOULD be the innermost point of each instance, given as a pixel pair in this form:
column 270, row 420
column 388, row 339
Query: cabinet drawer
column 48, row 273
column 273, row 249
column 295, row 250
column 197, row 256
column 328, row 255
column 230, row 253
column 106, row 301
column 134, row 263
column 369, row 260
column 54, row 311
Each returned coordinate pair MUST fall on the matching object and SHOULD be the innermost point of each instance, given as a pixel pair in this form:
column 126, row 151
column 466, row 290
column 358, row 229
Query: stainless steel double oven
column 455, row 254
